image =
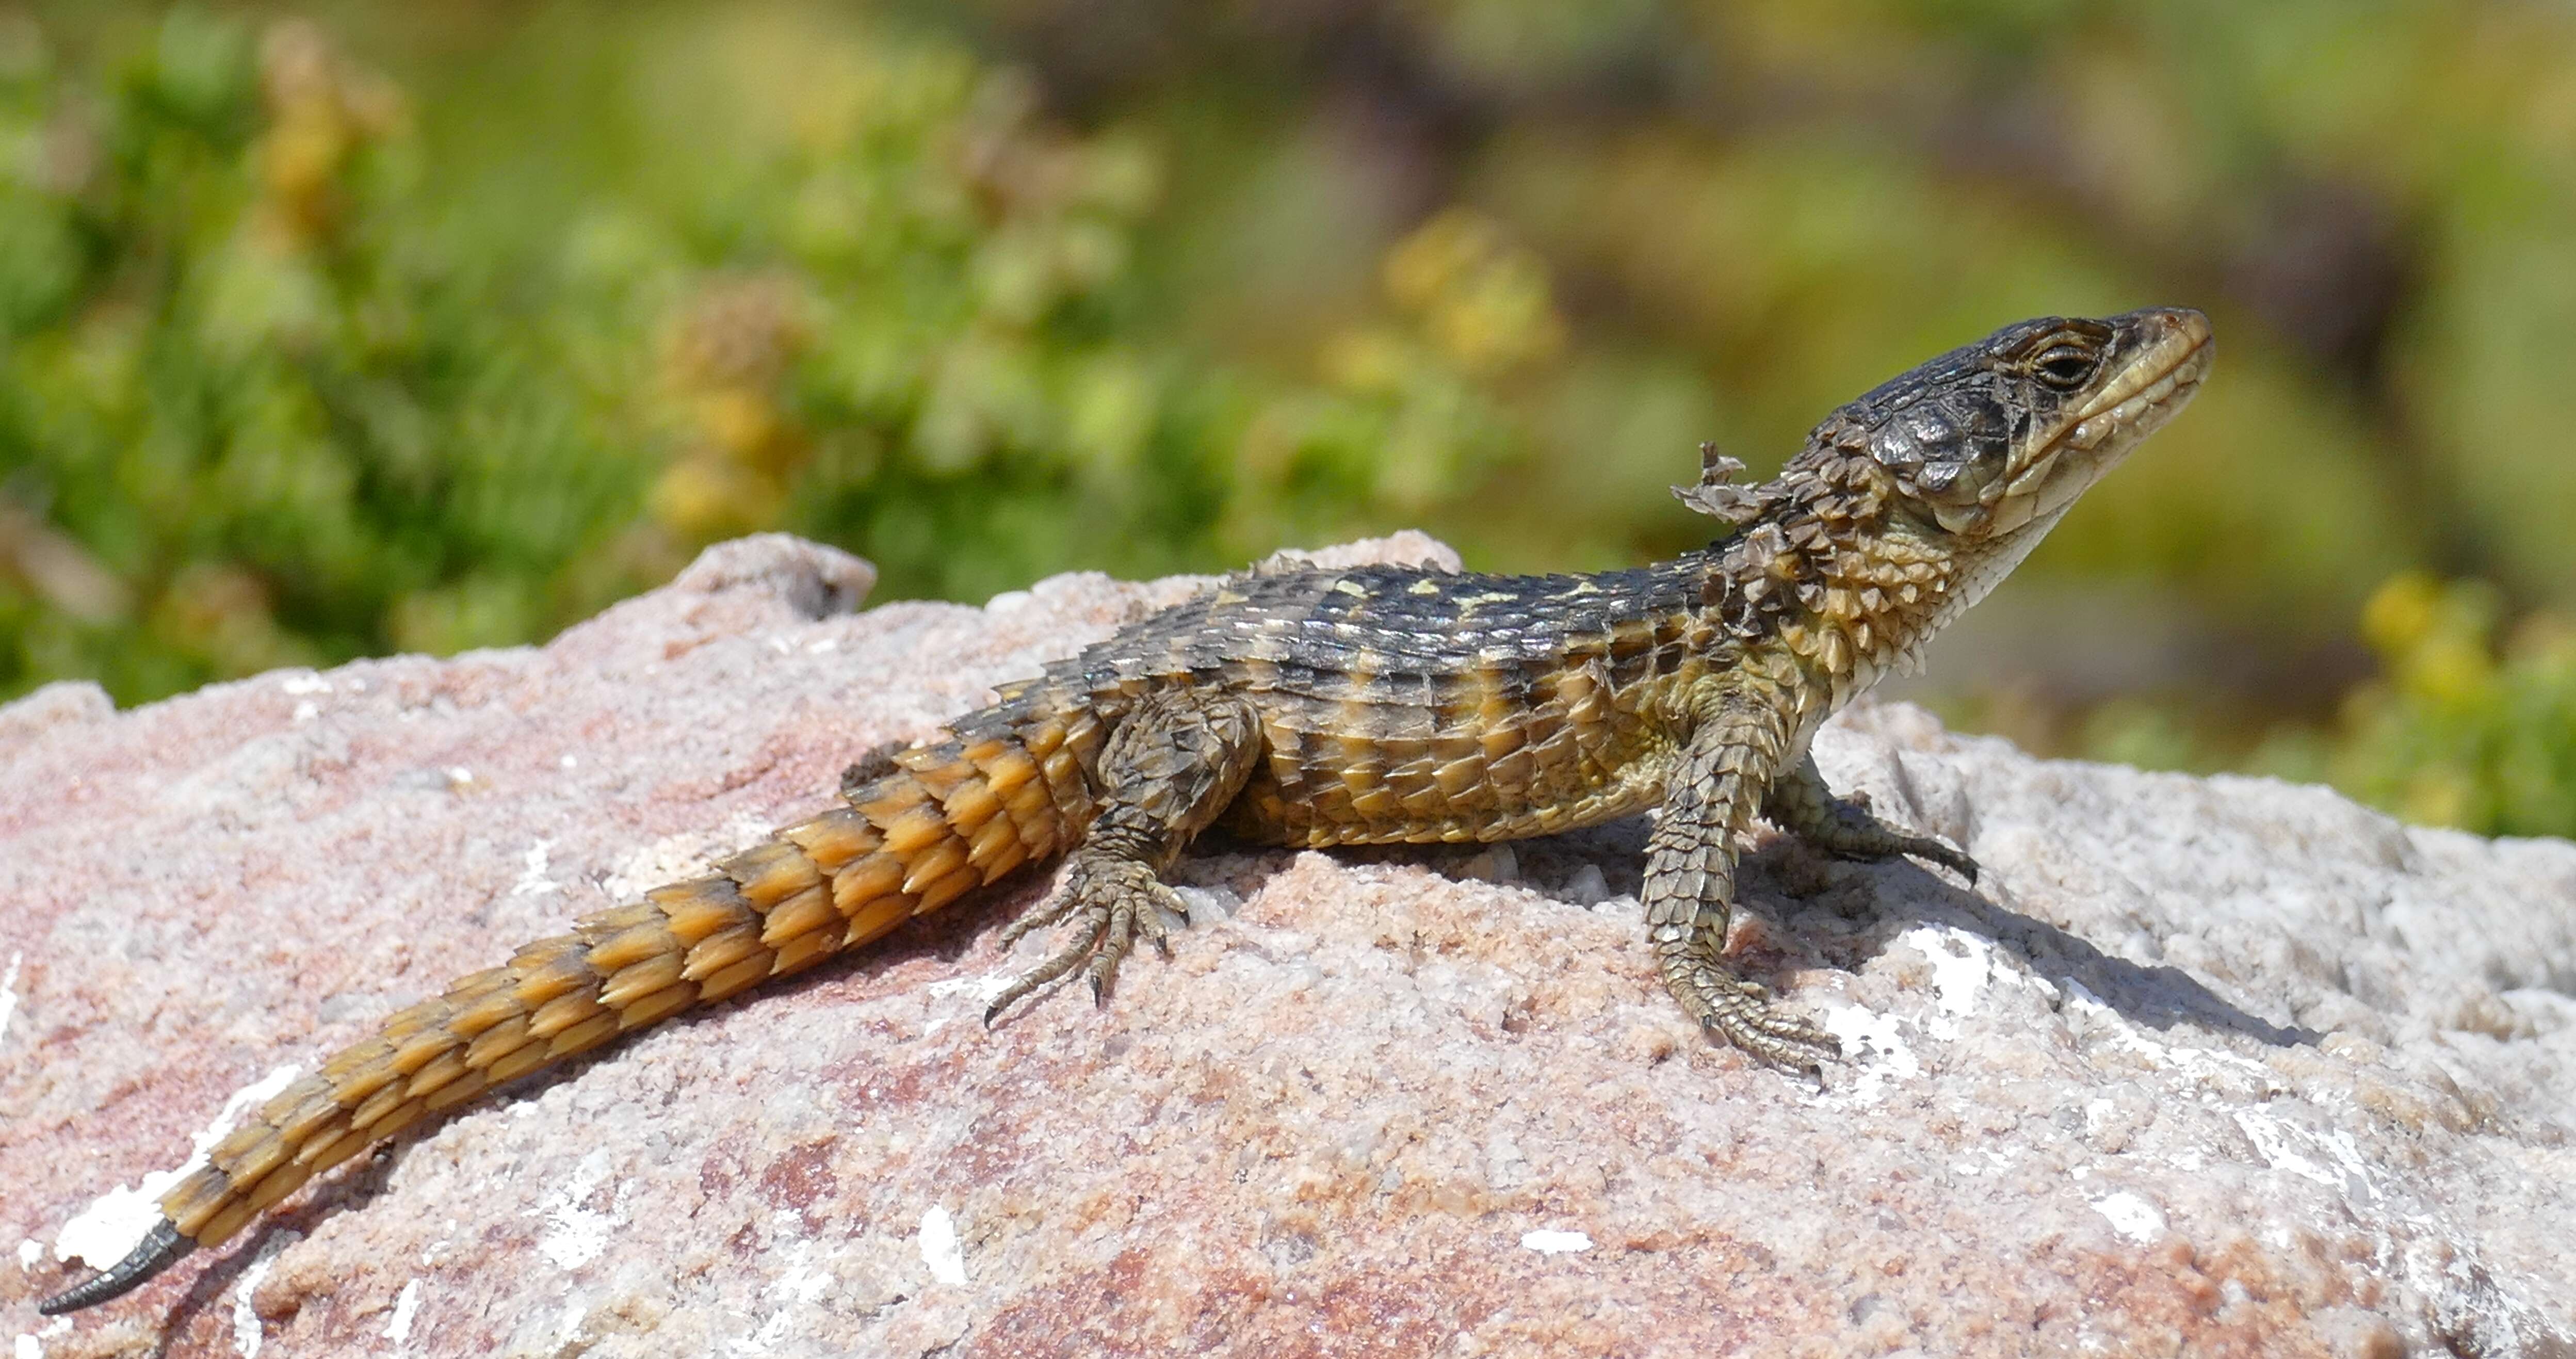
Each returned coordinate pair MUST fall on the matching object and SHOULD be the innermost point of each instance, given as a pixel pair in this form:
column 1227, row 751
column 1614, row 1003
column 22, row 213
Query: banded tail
column 919, row 829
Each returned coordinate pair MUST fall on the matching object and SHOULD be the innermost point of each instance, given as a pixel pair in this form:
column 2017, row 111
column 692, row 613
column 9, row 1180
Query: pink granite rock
column 2204, row 1066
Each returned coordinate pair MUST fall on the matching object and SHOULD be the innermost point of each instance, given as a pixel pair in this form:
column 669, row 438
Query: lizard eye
column 2065, row 366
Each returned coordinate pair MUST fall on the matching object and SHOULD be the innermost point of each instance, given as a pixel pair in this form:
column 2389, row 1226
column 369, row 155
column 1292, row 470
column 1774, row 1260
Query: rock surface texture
column 2205, row 1066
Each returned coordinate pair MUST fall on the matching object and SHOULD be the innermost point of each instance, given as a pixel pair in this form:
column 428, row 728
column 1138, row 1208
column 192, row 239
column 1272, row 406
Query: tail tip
column 157, row 1251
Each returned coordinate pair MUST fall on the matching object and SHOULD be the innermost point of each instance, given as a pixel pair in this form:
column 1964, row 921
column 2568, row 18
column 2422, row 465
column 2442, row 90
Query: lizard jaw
column 2156, row 385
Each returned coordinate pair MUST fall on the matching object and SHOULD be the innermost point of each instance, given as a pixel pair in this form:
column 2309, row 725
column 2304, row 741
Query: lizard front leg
column 1800, row 803
column 1165, row 773
column 1735, row 750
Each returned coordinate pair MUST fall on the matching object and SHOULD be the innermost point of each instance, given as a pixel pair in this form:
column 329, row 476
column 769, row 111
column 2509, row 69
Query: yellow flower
column 2400, row 612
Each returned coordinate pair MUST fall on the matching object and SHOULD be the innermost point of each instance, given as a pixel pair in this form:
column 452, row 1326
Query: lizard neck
column 1830, row 586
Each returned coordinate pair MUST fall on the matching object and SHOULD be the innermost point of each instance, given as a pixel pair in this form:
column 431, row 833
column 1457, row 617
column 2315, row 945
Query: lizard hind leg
column 1166, row 771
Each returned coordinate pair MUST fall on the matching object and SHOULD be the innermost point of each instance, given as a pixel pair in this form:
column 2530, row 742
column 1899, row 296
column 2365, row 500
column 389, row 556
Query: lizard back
column 1405, row 704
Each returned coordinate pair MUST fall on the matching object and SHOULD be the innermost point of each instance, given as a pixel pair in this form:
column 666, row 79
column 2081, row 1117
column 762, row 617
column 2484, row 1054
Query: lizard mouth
column 2157, row 381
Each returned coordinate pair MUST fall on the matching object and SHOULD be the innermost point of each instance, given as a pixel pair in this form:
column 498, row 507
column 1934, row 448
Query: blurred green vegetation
column 335, row 329
column 2460, row 732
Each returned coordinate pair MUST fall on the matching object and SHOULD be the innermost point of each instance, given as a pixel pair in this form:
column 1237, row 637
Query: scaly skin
column 1320, row 707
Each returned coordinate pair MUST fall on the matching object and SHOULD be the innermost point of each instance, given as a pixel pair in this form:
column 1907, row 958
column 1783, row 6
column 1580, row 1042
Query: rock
column 2203, row 1066
column 62, row 703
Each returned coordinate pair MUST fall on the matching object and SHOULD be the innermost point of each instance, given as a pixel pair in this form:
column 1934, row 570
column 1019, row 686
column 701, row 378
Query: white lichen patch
column 1555, row 1243
column 797, row 1290
column 979, row 992
column 1983, row 1161
column 115, row 1222
column 940, row 1248
column 2329, row 1158
column 406, row 1307
column 575, row 1233
column 9, row 993
column 249, row 1332
column 2131, row 1216
column 532, row 872
column 1964, row 968
column 1875, row 1053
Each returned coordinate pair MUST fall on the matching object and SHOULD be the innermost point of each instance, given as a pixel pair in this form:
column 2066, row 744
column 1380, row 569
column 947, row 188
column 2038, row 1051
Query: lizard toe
column 1775, row 1038
column 1956, row 861
column 1744, row 1014
column 1106, row 905
column 1940, row 852
column 1137, row 903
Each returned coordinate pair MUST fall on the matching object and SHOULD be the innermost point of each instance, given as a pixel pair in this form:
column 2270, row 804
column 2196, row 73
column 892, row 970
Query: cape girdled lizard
column 1303, row 706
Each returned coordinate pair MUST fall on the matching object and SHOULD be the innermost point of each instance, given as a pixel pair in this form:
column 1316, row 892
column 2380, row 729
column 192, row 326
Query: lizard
column 1314, row 707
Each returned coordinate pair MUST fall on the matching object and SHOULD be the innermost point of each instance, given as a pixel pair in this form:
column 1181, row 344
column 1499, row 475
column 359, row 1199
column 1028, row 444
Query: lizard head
column 2004, row 434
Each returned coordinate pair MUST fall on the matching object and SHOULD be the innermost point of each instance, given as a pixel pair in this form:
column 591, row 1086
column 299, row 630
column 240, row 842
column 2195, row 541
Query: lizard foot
column 1110, row 903
column 1847, row 828
column 1922, row 847
column 1742, row 1013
